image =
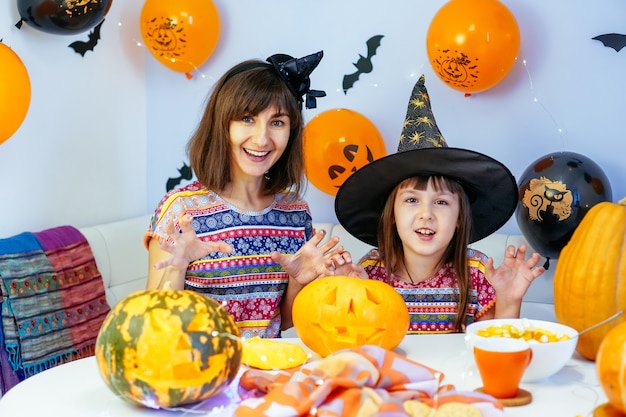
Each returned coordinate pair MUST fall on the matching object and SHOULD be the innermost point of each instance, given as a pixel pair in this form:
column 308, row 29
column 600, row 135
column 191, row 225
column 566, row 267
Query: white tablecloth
column 76, row 389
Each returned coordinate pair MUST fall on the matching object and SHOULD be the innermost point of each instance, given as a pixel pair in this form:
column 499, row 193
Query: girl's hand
column 348, row 268
column 513, row 277
column 185, row 247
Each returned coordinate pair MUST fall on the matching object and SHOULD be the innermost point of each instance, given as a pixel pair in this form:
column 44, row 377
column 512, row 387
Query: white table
column 76, row 388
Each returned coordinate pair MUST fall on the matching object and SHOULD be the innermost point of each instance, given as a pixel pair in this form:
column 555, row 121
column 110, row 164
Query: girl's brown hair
column 390, row 248
column 236, row 94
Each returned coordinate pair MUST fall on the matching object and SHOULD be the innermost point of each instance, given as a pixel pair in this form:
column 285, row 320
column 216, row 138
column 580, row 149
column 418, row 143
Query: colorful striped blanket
column 53, row 299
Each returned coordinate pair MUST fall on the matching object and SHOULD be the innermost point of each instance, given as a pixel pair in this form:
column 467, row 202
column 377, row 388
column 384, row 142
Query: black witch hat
column 423, row 151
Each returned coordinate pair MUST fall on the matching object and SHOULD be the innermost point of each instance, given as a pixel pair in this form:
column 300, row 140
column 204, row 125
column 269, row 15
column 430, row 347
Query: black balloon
column 555, row 193
column 63, row 17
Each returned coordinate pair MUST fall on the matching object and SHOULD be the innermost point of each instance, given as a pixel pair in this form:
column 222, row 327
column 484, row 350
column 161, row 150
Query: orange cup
column 501, row 363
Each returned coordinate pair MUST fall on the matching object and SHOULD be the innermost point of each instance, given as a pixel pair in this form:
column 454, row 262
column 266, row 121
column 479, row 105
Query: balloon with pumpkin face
column 338, row 142
column 473, row 44
column 180, row 34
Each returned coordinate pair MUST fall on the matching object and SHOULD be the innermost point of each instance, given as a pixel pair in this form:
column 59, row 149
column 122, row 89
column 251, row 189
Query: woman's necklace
column 407, row 272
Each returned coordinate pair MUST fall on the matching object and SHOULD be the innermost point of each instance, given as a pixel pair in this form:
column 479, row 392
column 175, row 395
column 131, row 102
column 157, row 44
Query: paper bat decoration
column 81, row 47
column 363, row 65
column 185, row 174
column 30, row 18
column 612, row 40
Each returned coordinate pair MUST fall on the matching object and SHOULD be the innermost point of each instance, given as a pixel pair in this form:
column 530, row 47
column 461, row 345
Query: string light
column 536, row 100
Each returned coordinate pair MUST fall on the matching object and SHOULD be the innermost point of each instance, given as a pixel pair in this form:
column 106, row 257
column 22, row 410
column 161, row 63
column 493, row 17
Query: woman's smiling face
column 258, row 141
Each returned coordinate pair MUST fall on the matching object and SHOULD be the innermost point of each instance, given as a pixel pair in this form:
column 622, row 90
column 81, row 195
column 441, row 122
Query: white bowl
column 548, row 358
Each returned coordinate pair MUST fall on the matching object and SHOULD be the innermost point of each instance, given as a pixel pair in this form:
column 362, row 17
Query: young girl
column 241, row 233
column 422, row 207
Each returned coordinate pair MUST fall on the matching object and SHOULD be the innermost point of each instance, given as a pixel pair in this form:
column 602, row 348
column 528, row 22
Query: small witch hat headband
column 294, row 72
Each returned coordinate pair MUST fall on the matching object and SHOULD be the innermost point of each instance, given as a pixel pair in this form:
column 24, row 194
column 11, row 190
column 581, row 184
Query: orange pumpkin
column 339, row 312
column 165, row 348
column 590, row 277
column 611, row 366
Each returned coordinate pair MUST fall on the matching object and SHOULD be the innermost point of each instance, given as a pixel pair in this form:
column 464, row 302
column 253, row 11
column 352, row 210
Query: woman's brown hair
column 236, row 94
column 390, row 248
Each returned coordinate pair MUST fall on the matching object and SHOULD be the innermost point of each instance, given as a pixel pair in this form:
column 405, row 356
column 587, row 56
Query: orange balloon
column 14, row 92
column 473, row 44
column 181, row 34
column 337, row 142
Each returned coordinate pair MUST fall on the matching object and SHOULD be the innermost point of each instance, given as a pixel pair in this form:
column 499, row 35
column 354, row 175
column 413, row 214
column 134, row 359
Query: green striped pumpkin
column 165, row 348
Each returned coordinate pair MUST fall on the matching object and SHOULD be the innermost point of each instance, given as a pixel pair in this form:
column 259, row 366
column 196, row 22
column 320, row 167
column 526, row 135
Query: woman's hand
column 314, row 259
column 185, row 247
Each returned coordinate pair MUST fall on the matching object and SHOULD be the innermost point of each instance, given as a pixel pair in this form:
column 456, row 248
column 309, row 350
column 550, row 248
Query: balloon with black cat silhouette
column 555, row 192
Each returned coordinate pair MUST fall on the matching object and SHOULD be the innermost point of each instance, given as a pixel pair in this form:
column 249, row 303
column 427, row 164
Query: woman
column 239, row 233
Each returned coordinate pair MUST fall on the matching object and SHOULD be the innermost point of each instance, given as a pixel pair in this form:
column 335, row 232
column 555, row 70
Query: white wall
column 104, row 133
column 566, row 92
column 79, row 157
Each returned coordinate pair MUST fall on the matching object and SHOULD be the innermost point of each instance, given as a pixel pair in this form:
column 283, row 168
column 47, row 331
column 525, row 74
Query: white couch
column 123, row 260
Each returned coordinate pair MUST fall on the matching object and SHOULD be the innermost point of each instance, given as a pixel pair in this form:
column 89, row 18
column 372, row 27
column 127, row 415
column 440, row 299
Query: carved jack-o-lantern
column 339, row 312
column 338, row 142
column 165, row 348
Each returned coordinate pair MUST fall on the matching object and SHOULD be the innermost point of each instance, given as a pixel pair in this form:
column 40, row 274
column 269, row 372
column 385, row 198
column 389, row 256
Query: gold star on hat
column 420, row 128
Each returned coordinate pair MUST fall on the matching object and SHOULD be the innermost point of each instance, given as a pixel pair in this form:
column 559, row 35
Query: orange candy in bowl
column 552, row 343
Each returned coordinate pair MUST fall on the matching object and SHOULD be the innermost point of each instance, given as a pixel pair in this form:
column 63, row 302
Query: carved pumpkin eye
column 338, row 312
column 337, row 143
